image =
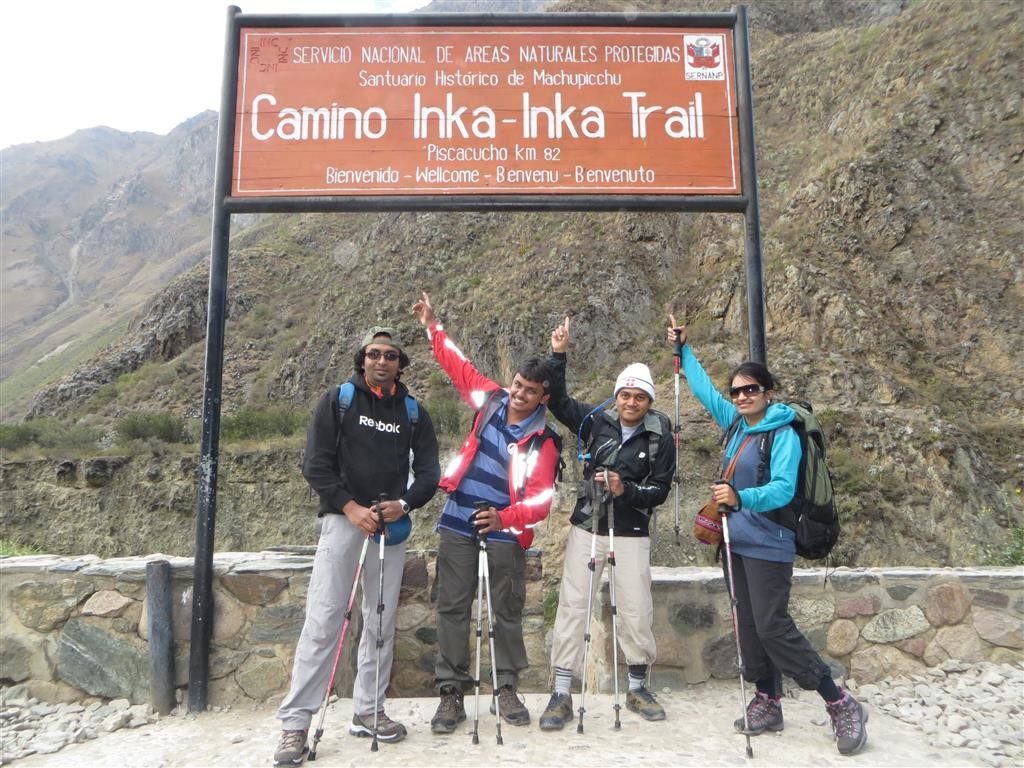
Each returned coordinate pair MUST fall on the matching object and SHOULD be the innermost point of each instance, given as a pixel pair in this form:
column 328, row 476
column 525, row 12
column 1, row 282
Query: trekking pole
column 677, row 363
column 480, row 565
column 590, row 605
column 319, row 732
column 735, row 624
column 610, row 506
column 483, row 590
column 380, row 616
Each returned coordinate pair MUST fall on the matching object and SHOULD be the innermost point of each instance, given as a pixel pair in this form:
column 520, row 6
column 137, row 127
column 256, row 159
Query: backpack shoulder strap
column 764, row 448
column 346, row 392
column 731, row 430
column 556, row 438
column 412, row 410
column 487, row 405
column 654, row 426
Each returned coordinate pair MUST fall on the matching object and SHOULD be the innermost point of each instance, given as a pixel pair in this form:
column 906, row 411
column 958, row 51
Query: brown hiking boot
column 642, row 702
column 557, row 713
column 387, row 729
column 513, row 707
column 450, row 712
column 291, row 749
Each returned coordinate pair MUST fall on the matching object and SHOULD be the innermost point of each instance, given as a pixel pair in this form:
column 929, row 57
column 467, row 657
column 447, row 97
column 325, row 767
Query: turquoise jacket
column 751, row 534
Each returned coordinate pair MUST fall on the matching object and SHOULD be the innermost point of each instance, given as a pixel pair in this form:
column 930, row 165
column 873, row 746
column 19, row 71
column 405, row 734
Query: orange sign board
column 485, row 110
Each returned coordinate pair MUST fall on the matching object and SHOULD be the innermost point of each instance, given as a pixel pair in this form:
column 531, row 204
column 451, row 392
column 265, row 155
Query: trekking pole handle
column 727, row 509
column 479, row 506
column 379, row 509
column 678, row 353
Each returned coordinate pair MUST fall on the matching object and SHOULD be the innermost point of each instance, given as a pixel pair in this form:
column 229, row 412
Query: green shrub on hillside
column 14, row 436
column 1012, row 552
column 264, row 424
column 155, row 425
column 446, row 414
column 11, row 548
column 47, row 433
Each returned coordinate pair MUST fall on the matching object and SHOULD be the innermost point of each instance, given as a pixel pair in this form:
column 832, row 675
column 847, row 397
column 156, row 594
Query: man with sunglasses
column 508, row 462
column 630, row 454
column 367, row 438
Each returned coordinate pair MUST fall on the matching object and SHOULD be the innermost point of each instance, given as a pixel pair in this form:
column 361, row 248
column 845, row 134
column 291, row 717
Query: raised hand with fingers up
column 424, row 311
column 676, row 332
column 560, row 336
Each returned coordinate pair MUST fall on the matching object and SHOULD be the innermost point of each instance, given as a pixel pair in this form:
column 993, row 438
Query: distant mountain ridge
column 93, row 225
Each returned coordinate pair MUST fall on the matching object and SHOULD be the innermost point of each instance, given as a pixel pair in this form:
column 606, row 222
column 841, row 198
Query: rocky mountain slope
column 93, row 225
column 890, row 137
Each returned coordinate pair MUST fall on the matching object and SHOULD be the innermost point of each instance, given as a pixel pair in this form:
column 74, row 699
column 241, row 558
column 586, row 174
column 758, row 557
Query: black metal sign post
column 751, row 212
column 224, row 204
column 216, row 314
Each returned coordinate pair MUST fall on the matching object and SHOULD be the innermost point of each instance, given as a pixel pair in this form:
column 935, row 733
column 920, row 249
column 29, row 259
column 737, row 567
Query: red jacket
column 533, row 465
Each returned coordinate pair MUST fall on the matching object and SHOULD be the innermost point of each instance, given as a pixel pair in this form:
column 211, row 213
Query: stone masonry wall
column 75, row 627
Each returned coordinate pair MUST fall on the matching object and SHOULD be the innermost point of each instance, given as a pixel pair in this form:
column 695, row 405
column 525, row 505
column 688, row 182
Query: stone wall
column 73, row 627
column 867, row 623
column 77, row 626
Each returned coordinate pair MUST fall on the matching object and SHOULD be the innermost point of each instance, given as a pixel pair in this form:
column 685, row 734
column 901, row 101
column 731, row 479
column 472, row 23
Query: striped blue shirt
column 487, row 477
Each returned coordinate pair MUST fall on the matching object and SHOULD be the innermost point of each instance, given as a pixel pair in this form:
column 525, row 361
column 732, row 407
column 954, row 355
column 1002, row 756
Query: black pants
column 769, row 639
column 457, row 561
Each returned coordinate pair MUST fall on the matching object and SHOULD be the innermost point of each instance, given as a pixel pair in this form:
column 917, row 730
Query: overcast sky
column 134, row 65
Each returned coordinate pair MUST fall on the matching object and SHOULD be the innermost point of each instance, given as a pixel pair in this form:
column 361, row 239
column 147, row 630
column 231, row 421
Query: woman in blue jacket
column 763, row 549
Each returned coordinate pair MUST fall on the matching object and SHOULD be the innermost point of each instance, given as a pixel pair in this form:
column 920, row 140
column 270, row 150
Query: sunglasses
column 747, row 389
column 376, row 354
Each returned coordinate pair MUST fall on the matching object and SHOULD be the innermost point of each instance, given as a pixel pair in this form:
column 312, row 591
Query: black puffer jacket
column 367, row 453
column 647, row 485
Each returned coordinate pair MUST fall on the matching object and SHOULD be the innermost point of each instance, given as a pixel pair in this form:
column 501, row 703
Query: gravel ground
column 958, row 715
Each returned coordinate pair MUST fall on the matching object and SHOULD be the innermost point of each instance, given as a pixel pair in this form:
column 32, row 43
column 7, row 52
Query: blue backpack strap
column 346, row 392
column 412, row 410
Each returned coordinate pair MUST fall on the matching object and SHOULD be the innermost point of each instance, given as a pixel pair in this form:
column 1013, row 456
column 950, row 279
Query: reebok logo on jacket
column 380, row 426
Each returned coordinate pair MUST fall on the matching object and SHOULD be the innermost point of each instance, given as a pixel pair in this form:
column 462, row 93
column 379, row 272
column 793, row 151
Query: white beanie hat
column 635, row 376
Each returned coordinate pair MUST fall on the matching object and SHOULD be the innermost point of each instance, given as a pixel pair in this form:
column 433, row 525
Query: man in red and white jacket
column 509, row 461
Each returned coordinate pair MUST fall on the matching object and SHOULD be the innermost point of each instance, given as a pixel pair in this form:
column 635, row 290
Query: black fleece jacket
column 367, row 453
column 646, row 485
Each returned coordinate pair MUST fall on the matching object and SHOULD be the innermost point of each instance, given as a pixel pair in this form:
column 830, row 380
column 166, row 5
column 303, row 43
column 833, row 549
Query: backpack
column 812, row 513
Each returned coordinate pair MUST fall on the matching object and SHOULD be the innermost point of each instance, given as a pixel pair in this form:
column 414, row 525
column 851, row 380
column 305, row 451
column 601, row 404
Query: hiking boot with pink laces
column 848, row 719
column 763, row 714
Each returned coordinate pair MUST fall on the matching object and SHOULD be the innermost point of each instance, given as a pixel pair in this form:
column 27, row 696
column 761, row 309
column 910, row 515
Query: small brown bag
column 707, row 526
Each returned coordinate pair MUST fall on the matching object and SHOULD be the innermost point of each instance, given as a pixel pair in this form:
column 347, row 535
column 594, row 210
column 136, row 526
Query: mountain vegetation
column 889, row 139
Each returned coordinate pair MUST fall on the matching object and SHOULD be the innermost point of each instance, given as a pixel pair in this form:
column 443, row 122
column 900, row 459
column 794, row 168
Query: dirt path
column 696, row 733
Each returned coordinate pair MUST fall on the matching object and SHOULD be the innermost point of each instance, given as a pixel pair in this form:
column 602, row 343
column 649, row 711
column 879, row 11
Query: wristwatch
column 405, row 505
